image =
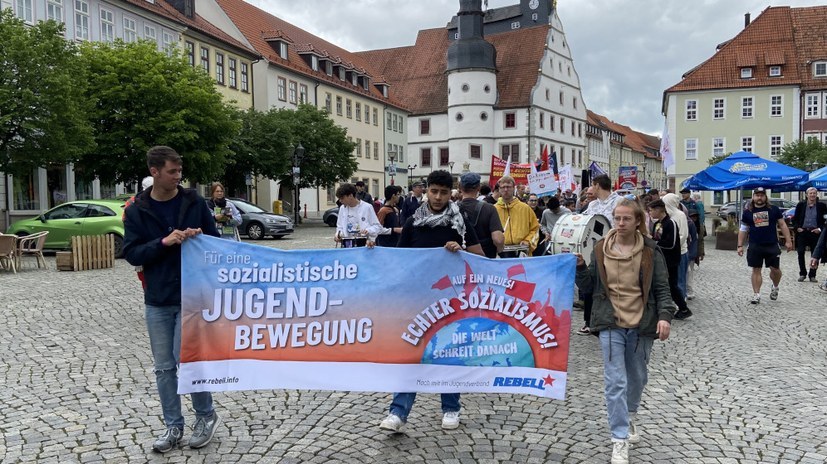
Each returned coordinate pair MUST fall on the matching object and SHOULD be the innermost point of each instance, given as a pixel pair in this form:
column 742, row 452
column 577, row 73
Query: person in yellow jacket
column 518, row 219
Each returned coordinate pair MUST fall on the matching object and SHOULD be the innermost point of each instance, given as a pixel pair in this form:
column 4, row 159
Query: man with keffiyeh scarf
column 436, row 223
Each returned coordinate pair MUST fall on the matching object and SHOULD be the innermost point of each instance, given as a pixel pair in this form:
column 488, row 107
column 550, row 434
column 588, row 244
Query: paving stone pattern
column 736, row 383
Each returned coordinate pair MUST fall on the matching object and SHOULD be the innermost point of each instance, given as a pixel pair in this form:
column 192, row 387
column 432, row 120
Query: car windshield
column 246, row 207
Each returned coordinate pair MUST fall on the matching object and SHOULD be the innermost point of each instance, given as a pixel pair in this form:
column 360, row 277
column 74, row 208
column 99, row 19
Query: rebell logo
column 525, row 382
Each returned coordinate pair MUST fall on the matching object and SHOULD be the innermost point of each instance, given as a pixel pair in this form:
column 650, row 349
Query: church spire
column 470, row 50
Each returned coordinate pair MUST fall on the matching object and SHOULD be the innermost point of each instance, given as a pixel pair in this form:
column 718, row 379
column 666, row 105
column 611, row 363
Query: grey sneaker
column 634, row 435
column 204, row 430
column 168, row 440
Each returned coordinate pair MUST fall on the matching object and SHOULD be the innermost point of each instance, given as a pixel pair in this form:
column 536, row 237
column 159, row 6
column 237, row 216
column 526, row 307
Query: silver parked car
column 257, row 223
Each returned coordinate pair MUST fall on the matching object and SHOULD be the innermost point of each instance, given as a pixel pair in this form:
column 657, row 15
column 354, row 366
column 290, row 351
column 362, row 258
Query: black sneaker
column 584, row 330
column 168, row 440
column 801, row 278
column 813, row 279
column 682, row 314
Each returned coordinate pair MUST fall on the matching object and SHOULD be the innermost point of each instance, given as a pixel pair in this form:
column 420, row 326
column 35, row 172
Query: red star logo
column 548, row 380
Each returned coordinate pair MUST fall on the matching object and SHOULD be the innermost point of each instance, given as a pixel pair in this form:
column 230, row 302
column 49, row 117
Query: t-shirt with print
column 762, row 224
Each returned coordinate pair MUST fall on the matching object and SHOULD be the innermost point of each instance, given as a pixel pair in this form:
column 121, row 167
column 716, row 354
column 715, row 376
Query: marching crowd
column 637, row 273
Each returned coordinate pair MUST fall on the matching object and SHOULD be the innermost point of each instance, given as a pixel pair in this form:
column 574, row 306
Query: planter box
column 726, row 240
column 64, row 261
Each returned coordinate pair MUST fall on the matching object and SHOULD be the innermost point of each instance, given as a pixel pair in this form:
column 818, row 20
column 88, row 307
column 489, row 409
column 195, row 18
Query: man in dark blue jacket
column 162, row 218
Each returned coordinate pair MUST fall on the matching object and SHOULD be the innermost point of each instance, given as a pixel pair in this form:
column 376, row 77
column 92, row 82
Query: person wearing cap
column 411, row 203
column 520, row 224
column 362, row 193
column 481, row 216
column 808, row 222
column 760, row 220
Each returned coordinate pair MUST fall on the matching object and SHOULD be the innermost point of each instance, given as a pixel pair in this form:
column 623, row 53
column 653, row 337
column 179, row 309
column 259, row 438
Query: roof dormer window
column 746, row 73
column 383, row 87
column 314, row 62
column 341, row 73
column 282, row 50
column 328, row 68
column 775, row 71
column 820, row 69
column 354, row 78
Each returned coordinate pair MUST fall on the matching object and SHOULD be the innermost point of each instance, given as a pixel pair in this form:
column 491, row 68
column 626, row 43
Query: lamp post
column 410, row 175
column 391, row 165
column 298, row 155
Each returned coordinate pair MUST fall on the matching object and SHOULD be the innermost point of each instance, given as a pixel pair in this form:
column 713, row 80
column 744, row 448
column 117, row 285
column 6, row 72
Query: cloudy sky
column 625, row 51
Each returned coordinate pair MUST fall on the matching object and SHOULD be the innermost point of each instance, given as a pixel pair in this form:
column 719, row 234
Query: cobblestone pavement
column 736, row 383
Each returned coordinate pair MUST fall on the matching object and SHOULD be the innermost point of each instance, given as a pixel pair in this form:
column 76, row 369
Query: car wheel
column 255, row 231
column 118, row 247
column 331, row 221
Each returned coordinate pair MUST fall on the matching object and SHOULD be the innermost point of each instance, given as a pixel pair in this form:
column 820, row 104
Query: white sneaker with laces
column 393, row 423
column 756, row 299
column 450, row 420
column 774, row 293
column 620, row 452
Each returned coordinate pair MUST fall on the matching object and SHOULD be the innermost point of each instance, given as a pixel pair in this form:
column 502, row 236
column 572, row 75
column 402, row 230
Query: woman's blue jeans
column 625, row 374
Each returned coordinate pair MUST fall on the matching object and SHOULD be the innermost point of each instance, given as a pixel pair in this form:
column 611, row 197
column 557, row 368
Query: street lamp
column 298, row 155
column 391, row 165
column 410, row 174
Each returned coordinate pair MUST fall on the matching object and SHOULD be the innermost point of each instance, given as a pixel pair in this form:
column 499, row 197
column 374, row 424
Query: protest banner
column 519, row 172
column 260, row 318
column 627, row 177
column 542, row 183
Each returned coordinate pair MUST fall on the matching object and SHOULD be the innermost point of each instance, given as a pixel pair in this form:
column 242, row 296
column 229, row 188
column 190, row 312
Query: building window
column 232, row 72
column 302, row 93
column 573, row 99
column 167, row 43
column 511, row 151
column 349, row 108
column 375, row 117
column 820, row 69
column 358, row 111
column 542, row 120
column 328, row 68
column 25, row 10
column 341, row 73
column 205, row 59
column 746, row 73
column 775, row 71
column 443, row 156
column 293, row 92
column 691, row 110
column 718, row 144
column 746, row 144
column 376, row 150
column 718, row 108
column 510, row 120
column 776, row 142
column 219, row 68
column 25, row 191
column 424, row 127
column 561, row 98
column 245, row 78
column 130, row 30
column 358, row 147
column 81, row 20
column 691, row 146
column 580, row 129
column 813, row 105
column 475, row 151
column 388, row 123
column 776, row 103
column 190, row 53
column 367, row 113
column 314, row 62
column 746, row 107
column 54, row 10
column 282, row 88
column 551, row 122
column 425, row 154
column 107, row 26
column 572, row 128
column 149, row 34
column 328, row 102
column 283, row 50
column 338, row 105
column 367, row 149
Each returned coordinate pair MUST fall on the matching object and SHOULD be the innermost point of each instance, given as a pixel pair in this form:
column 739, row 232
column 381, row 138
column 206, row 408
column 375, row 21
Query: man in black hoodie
column 163, row 217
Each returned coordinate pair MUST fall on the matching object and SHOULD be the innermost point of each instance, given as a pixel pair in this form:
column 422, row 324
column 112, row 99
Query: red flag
column 442, row 283
column 522, row 290
column 544, row 157
column 469, row 286
column 516, row 270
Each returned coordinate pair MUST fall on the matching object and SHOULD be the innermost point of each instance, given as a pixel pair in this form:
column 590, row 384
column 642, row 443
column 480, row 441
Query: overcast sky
column 627, row 52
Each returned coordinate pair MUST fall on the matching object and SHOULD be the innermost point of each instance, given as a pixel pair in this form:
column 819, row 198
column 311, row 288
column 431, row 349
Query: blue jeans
column 403, row 402
column 682, row 268
column 625, row 356
column 164, row 326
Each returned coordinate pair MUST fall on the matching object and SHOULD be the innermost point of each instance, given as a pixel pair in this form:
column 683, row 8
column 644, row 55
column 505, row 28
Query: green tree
column 42, row 104
column 261, row 148
column 804, row 154
column 142, row 97
column 328, row 155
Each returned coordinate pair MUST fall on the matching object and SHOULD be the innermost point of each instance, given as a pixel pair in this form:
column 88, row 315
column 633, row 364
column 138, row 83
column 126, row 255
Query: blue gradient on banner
column 479, row 342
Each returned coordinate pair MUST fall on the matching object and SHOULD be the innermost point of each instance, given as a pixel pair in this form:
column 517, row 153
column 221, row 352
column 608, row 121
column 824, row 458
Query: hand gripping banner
column 382, row 319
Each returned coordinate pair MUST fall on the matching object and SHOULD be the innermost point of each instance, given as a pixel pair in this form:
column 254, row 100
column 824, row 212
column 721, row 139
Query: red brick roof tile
column 810, row 25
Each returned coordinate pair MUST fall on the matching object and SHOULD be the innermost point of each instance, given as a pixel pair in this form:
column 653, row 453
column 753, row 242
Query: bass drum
column 577, row 233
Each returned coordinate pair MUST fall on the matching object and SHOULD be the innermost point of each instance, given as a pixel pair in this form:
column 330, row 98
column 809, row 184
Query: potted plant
column 726, row 235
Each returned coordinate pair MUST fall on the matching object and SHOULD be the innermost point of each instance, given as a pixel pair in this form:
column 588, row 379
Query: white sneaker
column 620, row 452
column 450, row 420
column 774, row 293
column 393, row 423
column 756, row 299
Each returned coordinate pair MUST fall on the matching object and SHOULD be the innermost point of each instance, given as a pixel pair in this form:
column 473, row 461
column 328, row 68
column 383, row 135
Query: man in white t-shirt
column 604, row 199
column 357, row 224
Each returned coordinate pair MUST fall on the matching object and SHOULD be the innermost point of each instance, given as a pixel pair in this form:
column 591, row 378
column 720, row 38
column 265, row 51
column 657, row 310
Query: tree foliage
column 804, row 154
column 42, row 104
column 142, row 97
column 267, row 139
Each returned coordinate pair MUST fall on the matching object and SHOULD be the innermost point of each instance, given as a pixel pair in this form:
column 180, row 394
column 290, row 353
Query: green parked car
column 82, row 217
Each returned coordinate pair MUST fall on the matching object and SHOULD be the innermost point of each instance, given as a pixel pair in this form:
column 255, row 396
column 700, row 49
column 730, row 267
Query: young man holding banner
column 436, row 223
column 161, row 219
